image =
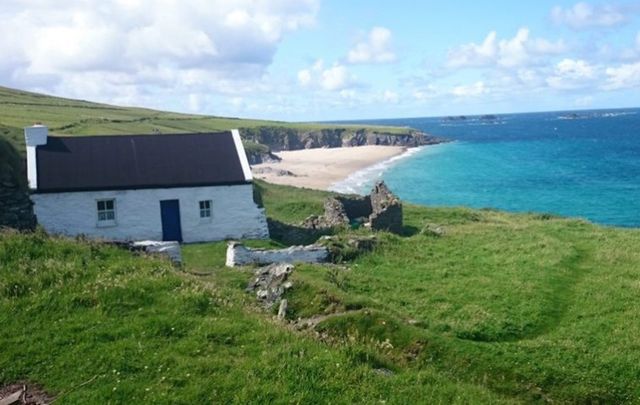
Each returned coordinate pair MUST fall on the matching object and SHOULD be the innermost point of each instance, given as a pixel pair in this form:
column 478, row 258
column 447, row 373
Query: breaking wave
column 357, row 182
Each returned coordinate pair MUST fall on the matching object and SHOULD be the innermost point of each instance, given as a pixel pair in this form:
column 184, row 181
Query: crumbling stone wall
column 356, row 207
column 381, row 210
column 387, row 209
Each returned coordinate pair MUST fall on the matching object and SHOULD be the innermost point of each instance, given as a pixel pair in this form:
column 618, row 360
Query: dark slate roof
column 85, row 163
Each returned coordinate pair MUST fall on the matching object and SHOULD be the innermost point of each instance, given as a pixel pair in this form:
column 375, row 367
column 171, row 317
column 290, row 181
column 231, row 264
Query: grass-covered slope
column 92, row 324
column 77, row 117
column 501, row 308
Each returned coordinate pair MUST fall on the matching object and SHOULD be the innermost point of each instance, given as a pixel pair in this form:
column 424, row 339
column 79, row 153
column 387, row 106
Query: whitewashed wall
column 234, row 214
column 239, row 255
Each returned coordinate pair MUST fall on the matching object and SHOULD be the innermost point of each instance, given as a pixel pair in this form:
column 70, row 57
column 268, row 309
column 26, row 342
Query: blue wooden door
column 170, row 214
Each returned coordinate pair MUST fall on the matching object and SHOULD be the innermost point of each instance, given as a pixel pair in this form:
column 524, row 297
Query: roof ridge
column 130, row 135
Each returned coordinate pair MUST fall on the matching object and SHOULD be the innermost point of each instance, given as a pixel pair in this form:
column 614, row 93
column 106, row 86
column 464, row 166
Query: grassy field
column 502, row 308
column 76, row 117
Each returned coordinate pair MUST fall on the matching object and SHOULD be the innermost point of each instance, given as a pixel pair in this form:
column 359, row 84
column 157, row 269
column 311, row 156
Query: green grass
column 501, row 308
column 135, row 330
column 19, row 109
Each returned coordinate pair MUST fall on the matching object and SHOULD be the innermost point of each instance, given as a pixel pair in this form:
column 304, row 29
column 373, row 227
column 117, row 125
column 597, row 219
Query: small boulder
column 270, row 283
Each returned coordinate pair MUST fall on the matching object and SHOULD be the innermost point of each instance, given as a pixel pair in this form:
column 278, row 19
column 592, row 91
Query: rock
column 432, row 230
column 282, row 310
column 170, row 249
column 281, row 138
column 347, row 248
column 256, row 158
column 270, row 283
column 30, row 394
column 383, row 372
column 271, row 170
column 240, row 255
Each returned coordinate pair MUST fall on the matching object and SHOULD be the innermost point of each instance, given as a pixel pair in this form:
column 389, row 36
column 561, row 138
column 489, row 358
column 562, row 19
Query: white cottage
column 184, row 187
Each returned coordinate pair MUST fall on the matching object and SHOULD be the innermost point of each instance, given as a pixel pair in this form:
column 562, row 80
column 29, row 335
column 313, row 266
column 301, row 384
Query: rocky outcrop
column 256, row 158
column 270, row 283
column 271, row 170
column 283, row 138
column 380, row 210
column 240, row 255
column 411, row 139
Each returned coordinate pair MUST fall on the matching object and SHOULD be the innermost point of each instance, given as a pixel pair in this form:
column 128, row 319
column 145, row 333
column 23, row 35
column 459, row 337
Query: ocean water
column 579, row 164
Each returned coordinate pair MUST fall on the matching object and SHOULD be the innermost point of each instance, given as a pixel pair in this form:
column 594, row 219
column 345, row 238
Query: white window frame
column 205, row 210
column 101, row 223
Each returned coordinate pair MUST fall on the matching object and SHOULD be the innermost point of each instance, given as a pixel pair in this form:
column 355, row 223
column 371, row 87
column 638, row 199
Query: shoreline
column 327, row 168
column 355, row 182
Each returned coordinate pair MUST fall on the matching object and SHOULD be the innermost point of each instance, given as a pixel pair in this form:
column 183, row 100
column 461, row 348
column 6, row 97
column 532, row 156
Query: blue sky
column 301, row 60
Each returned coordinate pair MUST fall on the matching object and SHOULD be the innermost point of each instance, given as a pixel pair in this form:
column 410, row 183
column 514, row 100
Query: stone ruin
column 240, row 255
column 381, row 211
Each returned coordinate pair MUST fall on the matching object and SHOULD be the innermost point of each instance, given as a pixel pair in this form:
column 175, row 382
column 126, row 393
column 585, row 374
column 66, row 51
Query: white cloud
column 348, row 94
column 135, row 49
column 304, row 77
column 570, row 74
column 521, row 50
column 390, row 97
column 335, row 77
column 425, row 93
column 375, row 49
column 529, row 77
column 583, row 15
column 638, row 41
column 332, row 78
column 624, row 76
column 472, row 90
column 473, row 55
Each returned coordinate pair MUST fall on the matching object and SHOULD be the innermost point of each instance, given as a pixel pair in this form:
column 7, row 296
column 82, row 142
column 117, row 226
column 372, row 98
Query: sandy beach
column 320, row 168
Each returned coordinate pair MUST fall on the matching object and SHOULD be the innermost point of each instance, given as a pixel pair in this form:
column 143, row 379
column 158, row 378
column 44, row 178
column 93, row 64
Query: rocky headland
column 278, row 139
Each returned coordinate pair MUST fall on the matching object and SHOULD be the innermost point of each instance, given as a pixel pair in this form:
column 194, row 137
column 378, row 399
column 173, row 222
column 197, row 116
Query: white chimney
column 34, row 136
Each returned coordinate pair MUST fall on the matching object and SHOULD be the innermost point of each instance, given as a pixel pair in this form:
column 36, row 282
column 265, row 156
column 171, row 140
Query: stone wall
column 356, row 207
column 387, row 209
column 240, row 255
column 381, row 210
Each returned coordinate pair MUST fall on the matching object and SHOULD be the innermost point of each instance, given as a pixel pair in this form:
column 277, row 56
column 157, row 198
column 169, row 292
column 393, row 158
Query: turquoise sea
column 579, row 164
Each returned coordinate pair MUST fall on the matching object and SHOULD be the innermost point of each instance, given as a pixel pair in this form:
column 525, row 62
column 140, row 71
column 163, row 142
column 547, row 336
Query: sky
column 312, row 60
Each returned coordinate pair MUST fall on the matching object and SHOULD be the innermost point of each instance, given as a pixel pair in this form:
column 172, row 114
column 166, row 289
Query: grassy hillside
column 76, row 117
column 502, row 308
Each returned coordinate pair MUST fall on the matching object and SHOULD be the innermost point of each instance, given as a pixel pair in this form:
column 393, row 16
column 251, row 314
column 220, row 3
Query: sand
column 322, row 167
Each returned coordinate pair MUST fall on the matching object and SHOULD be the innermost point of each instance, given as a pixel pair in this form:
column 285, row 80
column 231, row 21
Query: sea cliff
column 278, row 139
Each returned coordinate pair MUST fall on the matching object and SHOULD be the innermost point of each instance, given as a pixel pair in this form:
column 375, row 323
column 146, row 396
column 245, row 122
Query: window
column 205, row 209
column 106, row 212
